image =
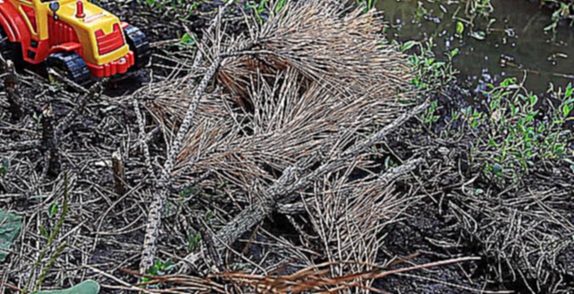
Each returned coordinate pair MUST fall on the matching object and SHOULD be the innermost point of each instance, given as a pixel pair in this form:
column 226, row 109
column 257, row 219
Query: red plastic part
column 110, row 42
column 70, row 46
column 61, row 32
column 31, row 15
column 80, row 10
column 119, row 66
column 12, row 22
column 14, row 26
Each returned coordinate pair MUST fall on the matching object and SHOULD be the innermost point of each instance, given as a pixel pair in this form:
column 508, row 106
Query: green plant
column 510, row 138
column 368, row 4
column 159, row 268
column 194, row 237
column 10, row 225
column 263, row 7
column 479, row 8
column 4, row 166
column 187, row 39
column 475, row 13
column 258, row 9
column 51, row 238
column 280, row 4
column 85, row 287
column 429, row 116
column 564, row 11
column 193, row 240
column 188, row 7
column 429, row 73
column 420, row 12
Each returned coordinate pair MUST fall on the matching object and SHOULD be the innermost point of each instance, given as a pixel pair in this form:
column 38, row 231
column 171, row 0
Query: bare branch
column 283, row 191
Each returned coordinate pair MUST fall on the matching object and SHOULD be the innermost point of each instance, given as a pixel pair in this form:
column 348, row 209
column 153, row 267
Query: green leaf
column 533, row 99
column 569, row 90
column 280, row 5
column 551, row 26
column 44, row 232
column 459, row 28
column 193, row 240
column 53, row 209
column 10, row 225
column 86, row 287
column 492, row 143
column 187, row 39
column 408, row 45
column 454, row 52
column 4, row 166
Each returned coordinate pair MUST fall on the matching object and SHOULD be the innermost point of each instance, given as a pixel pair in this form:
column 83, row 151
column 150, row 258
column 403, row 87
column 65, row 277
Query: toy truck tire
column 9, row 50
column 71, row 65
column 138, row 43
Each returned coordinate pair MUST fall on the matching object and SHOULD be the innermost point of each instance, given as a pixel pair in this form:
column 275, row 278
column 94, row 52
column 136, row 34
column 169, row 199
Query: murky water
column 514, row 44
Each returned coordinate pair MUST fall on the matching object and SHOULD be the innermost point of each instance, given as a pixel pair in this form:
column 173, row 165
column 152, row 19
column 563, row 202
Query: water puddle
column 511, row 42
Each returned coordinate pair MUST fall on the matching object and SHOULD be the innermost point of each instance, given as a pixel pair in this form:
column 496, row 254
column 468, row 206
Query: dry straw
column 309, row 77
column 301, row 89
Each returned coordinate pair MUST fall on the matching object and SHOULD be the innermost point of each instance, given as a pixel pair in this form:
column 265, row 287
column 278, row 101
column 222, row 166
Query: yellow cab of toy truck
column 46, row 27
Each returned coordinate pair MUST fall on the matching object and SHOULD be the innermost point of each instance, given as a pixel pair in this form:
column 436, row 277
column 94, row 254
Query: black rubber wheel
column 71, row 65
column 10, row 50
column 138, row 43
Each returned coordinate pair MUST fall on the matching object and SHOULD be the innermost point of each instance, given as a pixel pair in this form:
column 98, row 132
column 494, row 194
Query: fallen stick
column 142, row 138
column 49, row 143
column 237, row 226
column 383, row 179
column 284, row 187
column 259, row 210
column 163, row 184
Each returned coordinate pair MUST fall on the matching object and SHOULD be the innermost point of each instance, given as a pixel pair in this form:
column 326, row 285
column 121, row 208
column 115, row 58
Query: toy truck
column 74, row 37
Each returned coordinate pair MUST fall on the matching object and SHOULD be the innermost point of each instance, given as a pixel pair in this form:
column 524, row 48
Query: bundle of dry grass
column 529, row 236
column 344, row 54
column 309, row 76
column 284, row 125
column 348, row 218
column 308, row 83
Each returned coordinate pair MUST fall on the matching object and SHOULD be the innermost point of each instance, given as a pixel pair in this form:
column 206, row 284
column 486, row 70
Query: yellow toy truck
column 75, row 37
